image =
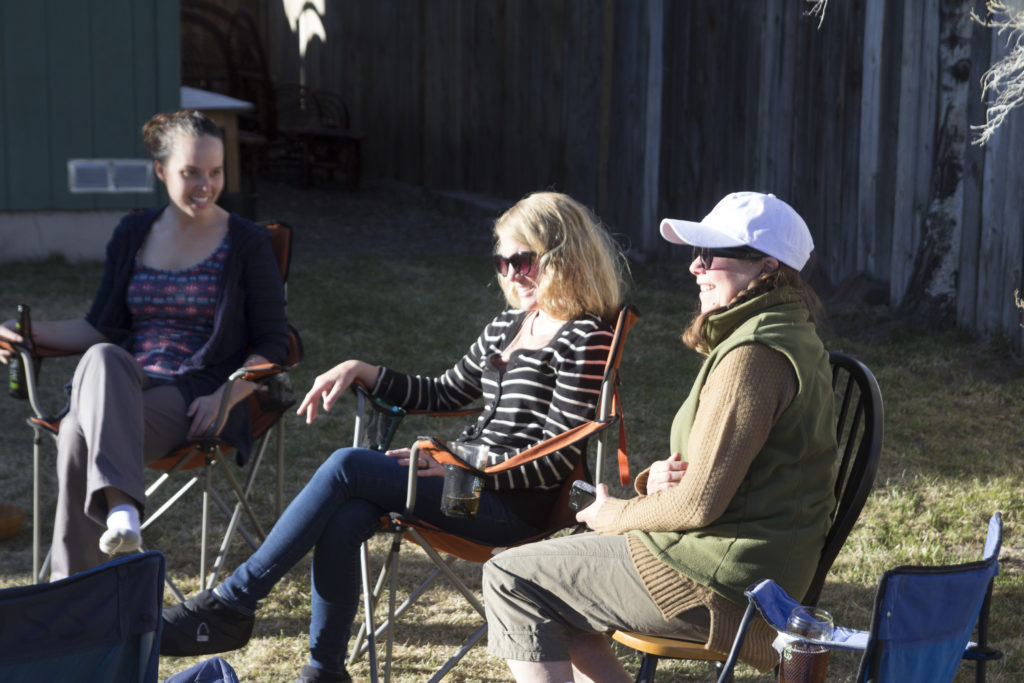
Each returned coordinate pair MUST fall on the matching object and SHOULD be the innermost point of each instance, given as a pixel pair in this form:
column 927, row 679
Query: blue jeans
column 338, row 509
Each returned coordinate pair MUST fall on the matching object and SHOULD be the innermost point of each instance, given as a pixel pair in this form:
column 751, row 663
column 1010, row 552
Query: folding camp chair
column 377, row 430
column 271, row 399
column 266, row 406
column 99, row 626
column 921, row 623
column 858, row 404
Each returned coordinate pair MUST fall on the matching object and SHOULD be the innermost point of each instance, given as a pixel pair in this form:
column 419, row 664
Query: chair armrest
column 37, row 351
column 975, row 653
column 775, row 605
column 555, row 443
column 32, row 358
column 249, row 373
column 254, row 373
column 391, row 415
column 359, row 388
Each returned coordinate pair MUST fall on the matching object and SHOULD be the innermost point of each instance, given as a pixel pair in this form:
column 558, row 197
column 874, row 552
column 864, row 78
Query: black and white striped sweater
column 542, row 392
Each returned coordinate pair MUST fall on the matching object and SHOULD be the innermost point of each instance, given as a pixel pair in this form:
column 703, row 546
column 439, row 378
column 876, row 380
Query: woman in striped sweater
column 537, row 368
column 746, row 493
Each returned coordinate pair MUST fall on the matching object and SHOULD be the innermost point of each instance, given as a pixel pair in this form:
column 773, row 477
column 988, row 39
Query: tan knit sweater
column 739, row 404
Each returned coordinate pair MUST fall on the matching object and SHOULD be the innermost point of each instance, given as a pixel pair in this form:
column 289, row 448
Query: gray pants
column 117, row 421
column 539, row 595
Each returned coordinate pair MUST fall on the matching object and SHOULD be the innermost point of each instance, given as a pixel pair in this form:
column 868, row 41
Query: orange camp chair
column 377, row 428
column 267, row 404
column 200, row 458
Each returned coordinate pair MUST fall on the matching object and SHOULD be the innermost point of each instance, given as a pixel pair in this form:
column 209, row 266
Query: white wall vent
column 110, row 175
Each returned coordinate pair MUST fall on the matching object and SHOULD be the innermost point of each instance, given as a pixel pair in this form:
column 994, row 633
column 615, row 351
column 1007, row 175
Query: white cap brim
column 696, row 234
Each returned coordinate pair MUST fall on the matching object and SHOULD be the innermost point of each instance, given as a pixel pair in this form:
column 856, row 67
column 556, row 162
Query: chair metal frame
column 894, row 597
column 859, row 431
column 201, row 455
column 405, row 525
column 202, row 458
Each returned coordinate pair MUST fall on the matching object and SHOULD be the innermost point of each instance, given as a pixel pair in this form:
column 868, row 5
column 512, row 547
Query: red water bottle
column 17, row 384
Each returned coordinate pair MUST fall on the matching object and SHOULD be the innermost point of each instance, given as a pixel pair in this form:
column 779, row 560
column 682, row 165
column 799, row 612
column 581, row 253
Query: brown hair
column 695, row 335
column 160, row 131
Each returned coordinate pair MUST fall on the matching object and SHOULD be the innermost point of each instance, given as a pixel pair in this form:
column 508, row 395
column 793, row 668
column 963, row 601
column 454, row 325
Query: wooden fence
column 655, row 108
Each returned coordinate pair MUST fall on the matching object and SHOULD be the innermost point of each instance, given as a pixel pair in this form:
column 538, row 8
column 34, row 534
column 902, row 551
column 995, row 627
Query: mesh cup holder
column 380, row 424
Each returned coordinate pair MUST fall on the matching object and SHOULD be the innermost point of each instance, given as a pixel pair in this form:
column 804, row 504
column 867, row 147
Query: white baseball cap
column 750, row 219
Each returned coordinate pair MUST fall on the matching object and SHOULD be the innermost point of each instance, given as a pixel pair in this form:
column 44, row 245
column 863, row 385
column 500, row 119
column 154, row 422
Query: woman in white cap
column 746, row 493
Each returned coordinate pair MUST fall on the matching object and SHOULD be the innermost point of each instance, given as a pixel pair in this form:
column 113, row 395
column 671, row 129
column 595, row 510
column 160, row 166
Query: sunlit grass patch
column 952, row 454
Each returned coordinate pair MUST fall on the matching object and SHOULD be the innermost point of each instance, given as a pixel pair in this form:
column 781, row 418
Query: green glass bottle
column 17, row 384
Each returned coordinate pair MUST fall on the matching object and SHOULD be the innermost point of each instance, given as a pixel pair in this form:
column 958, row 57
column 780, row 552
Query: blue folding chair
column 921, row 625
column 99, row 626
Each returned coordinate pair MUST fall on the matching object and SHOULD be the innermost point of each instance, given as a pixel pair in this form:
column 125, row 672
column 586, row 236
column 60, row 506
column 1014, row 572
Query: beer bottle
column 17, row 384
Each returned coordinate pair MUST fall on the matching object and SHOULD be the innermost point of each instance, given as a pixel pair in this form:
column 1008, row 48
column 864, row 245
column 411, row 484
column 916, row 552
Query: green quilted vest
column 775, row 526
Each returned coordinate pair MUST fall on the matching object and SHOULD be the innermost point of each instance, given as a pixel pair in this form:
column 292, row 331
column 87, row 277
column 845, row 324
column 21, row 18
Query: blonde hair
column 695, row 335
column 580, row 264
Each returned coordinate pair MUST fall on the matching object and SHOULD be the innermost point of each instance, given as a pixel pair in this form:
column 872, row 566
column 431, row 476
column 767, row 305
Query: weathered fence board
column 974, row 193
column 442, row 86
column 510, row 96
column 581, row 96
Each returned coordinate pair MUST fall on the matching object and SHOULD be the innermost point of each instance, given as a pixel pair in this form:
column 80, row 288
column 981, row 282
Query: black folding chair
column 859, row 435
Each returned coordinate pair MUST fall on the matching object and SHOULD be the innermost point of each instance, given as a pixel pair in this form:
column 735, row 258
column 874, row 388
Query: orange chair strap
column 453, row 545
column 51, row 425
column 261, row 370
column 548, row 446
column 627, row 318
column 624, row 477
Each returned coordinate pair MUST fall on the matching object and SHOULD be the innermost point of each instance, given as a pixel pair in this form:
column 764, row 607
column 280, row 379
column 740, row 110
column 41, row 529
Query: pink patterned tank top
column 173, row 311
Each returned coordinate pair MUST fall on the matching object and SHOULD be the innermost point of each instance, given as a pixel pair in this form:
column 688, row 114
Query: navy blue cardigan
column 249, row 315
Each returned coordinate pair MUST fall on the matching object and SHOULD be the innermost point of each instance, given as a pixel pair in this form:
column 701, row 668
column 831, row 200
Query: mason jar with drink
column 804, row 661
column 460, row 496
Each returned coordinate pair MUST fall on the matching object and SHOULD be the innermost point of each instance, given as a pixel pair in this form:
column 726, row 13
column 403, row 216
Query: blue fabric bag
column 213, row 670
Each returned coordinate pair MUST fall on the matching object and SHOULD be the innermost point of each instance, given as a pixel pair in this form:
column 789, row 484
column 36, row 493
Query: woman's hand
column 203, row 411
column 664, row 474
column 8, row 334
column 330, row 385
column 426, row 465
column 588, row 515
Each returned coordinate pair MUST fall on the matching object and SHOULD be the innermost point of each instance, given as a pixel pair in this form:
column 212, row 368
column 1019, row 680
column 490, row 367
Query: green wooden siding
column 77, row 80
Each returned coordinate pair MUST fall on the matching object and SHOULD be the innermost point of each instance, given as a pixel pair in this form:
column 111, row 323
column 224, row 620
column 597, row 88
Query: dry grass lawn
column 953, row 444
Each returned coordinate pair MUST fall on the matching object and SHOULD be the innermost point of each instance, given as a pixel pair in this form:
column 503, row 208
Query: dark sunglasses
column 521, row 262
column 707, row 254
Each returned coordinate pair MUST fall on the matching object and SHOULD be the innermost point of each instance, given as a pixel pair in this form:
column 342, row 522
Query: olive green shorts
column 538, row 596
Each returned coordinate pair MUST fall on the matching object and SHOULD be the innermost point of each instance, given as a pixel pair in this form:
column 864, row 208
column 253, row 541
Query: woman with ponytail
column 189, row 294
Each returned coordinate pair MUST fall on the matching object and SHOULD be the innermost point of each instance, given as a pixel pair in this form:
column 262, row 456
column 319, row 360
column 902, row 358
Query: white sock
column 124, row 516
